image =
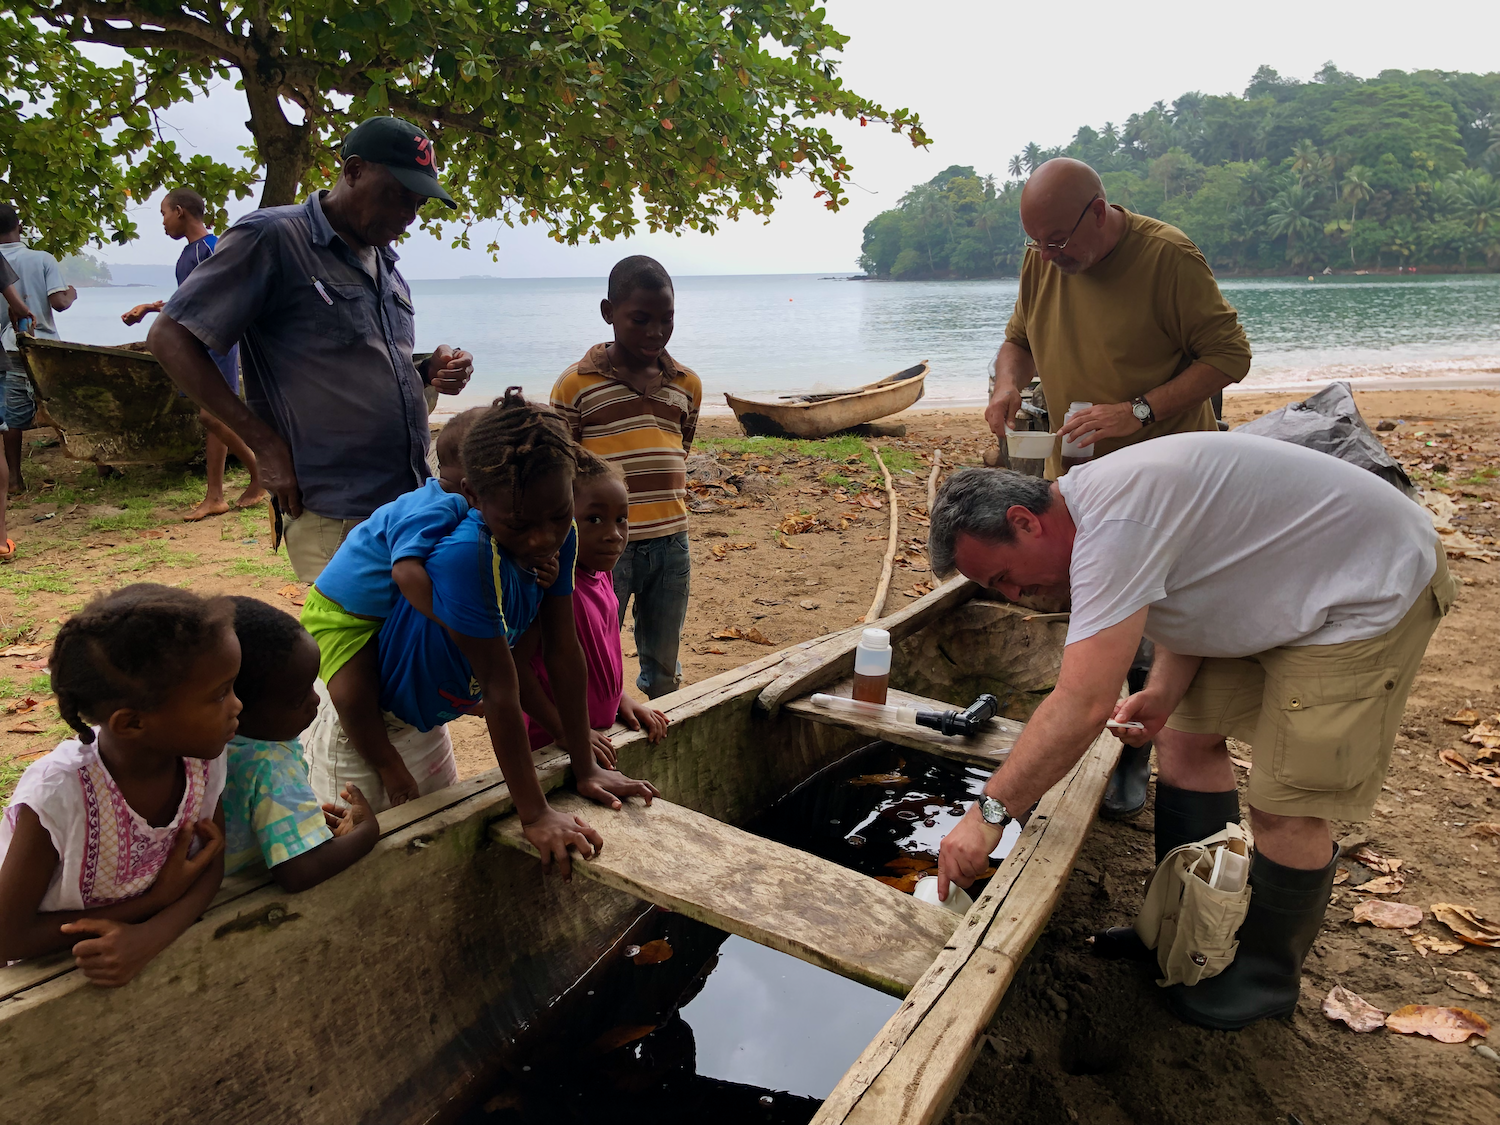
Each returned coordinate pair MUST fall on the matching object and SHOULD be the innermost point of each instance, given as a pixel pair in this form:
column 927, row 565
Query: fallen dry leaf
column 1446, row 1025
column 886, row 779
column 654, row 952
column 154, row 533
column 292, row 593
column 32, row 665
column 903, row 883
column 865, row 500
column 26, row 727
column 735, row 633
column 721, row 550
column 1456, row 760
column 1372, row 859
column 1388, row 915
column 1345, row 1007
column 1470, row 984
column 1465, row 718
column 23, row 650
column 1382, row 885
column 907, row 863
column 1340, row 876
column 21, row 706
column 1467, row 925
column 920, row 590
column 1426, row 943
column 1487, row 830
column 712, row 650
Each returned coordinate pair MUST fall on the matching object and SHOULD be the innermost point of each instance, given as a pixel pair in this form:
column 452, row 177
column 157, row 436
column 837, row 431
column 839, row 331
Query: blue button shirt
column 326, row 350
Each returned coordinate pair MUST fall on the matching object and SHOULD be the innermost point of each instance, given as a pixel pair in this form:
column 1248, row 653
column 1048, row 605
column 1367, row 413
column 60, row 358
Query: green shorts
column 339, row 633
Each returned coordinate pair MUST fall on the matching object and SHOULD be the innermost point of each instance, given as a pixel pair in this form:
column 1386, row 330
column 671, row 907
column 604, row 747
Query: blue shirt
column 193, row 255
column 478, row 591
column 327, row 353
column 358, row 578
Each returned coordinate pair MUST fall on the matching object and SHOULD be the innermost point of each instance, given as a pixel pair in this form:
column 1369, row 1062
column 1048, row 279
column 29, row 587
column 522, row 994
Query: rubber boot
column 1125, row 795
column 1265, row 979
column 1182, row 816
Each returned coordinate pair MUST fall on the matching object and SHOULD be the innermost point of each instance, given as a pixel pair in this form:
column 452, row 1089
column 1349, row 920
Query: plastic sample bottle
column 872, row 666
column 1074, row 454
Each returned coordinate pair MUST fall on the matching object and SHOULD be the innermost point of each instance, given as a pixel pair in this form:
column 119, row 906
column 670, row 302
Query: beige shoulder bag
column 1195, row 905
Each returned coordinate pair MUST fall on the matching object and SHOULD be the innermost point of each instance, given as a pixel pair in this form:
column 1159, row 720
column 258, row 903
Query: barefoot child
column 631, row 404
column 518, row 474
column 379, row 563
column 113, row 842
column 271, row 817
column 601, row 513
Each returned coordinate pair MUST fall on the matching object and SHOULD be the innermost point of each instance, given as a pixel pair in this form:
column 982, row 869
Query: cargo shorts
column 1321, row 720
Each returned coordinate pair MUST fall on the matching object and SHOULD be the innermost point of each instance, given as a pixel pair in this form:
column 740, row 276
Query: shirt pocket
column 348, row 319
column 403, row 320
column 1332, row 728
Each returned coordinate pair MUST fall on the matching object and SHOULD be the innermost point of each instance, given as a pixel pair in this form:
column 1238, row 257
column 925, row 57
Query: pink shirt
column 596, row 614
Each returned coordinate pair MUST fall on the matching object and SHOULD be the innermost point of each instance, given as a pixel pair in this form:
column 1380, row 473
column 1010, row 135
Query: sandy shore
column 788, row 552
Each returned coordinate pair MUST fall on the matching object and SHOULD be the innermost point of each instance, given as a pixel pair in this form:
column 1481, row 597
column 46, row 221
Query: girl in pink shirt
column 601, row 509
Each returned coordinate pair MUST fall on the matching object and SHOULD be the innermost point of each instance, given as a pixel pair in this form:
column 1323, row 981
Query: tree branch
column 203, row 36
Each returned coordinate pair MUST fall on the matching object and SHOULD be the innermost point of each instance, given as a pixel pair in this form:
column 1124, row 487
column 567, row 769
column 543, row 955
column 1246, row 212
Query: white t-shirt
column 41, row 277
column 106, row 851
column 1240, row 544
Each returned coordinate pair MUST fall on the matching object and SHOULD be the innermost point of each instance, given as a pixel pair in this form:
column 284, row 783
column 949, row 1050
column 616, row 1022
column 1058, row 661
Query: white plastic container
column 926, row 890
column 872, row 666
column 1072, row 452
column 884, row 711
column 1029, row 445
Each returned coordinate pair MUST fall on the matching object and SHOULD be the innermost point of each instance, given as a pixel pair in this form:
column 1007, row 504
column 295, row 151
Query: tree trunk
column 285, row 149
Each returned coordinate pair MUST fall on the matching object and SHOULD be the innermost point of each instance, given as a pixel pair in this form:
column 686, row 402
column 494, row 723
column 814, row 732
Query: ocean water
column 770, row 334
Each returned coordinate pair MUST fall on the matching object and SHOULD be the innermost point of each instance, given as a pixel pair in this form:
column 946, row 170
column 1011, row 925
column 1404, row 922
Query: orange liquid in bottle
column 871, row 689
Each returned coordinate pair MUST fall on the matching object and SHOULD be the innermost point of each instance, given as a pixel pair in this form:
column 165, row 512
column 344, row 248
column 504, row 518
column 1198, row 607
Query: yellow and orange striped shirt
column 647, row 437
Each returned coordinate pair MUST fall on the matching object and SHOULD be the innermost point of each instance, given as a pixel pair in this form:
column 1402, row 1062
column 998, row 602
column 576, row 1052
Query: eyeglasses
column 1033, row 244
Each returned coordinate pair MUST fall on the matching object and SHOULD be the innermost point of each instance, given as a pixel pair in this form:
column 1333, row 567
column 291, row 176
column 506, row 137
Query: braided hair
column 592, row 467
column 131, row 648
column 516, row 443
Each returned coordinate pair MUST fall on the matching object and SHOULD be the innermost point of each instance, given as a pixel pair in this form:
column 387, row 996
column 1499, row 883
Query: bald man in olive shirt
column 1121, row 311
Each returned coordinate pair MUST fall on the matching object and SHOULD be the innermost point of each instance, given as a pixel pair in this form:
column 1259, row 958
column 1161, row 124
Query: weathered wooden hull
column 376, row 996
column 112, row 406
column 829, row 416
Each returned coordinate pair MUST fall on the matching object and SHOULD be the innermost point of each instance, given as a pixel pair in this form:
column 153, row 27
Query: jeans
column 656, row 571
column 18, row 404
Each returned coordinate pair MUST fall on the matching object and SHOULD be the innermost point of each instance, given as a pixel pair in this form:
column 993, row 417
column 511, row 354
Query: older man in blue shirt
column 334, row 408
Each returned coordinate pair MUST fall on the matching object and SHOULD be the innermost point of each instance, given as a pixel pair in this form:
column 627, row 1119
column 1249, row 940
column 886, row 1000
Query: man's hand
column 604, row 749
column 1149, row 709
column 1000, row 414
column 553, row 833
column 279, row 477
column 400, row 786
column 179, row 873
column 345, row 820
column 607, row 787
column 1110, row 420
column 635, row 715
column 965, row 852
column 448, row 370
column 141, row 312
column 116, row 955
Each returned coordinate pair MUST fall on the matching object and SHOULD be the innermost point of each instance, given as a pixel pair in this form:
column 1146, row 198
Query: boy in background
column 631, row 404
column 182, row 214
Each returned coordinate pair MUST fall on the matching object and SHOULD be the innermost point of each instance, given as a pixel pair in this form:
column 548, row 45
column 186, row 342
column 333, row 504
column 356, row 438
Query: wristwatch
column 1142, row 411
column 994, row 812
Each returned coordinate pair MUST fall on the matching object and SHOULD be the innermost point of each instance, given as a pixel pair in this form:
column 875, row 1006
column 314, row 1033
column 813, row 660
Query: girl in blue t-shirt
column 518, row 462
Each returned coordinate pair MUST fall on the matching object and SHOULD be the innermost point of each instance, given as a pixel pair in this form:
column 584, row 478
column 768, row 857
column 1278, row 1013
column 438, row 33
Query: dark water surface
column 684, row 1023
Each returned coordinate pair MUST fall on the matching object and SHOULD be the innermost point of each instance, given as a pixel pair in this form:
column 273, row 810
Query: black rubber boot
column 1182, row 816
column 1265, row 979
column 1125, row 795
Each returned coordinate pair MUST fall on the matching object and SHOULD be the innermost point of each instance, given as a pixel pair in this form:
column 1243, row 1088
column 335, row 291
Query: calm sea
column 778, row 334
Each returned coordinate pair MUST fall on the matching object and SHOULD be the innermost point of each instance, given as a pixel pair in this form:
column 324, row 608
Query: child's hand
column 553, row 832
column 179, row 873
column 115, row 956
column 546, row 573
column 345, row 820
column 603, row 748
column 606, row 787
column 634, row 715
column 400, row 786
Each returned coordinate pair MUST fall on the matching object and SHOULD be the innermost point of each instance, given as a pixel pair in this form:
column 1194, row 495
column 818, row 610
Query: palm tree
column 1356, row 191
column 1259, row 184
column 1479, row 201
column 1032, row 157
column 1288, row 216
column 1017, row 169
column 1306, row 160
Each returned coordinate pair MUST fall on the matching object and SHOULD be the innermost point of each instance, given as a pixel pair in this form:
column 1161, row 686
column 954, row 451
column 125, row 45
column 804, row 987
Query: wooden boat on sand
column 380, row 994
column 112, row 406
column 818, row 415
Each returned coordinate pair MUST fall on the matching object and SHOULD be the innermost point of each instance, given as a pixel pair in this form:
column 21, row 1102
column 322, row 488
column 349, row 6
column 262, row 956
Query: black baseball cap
column 405, row 151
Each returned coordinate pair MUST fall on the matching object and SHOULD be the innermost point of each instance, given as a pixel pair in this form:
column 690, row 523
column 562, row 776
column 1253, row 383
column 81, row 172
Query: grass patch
column 1482, row 476
column 40, row 684
column 149, row 554
column 9, row 687
column 837, row 480
column 263, row 566
column 825, row 449
column 10, row 773
column 42, row 578
column 139, row 514
column 900, row 460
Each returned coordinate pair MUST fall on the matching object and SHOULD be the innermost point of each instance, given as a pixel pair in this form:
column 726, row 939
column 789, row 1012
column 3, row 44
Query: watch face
column 1141, row 410
column 992, row 811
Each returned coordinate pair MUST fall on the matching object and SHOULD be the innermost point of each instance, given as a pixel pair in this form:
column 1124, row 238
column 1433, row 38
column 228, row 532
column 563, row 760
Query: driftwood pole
column 932, row 479
column 877, row 607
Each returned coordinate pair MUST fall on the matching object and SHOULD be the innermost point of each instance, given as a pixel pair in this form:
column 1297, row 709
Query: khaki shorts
column 1321, row 719
column 311, row 541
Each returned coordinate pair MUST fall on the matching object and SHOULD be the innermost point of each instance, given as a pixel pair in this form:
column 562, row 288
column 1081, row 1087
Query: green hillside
column 1341, row 171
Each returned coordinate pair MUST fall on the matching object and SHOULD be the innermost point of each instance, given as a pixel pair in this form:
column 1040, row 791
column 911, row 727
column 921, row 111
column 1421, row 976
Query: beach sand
column 1077, row 1039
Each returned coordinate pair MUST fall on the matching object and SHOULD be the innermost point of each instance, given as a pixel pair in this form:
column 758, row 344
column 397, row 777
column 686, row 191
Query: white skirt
column 333, row 762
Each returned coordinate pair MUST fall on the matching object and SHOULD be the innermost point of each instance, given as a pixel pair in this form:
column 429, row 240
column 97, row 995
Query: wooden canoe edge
column 911, row 1071
column 831, row 658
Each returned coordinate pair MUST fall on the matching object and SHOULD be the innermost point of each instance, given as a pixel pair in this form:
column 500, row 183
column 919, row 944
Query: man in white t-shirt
column 1290, row 596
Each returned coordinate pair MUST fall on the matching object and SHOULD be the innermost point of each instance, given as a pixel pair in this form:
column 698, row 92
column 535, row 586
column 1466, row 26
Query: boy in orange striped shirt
column 631, row 404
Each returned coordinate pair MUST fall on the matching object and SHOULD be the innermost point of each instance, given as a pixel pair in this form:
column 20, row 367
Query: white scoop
column 926, row 890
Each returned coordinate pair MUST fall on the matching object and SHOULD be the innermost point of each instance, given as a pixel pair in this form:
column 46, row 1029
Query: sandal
column 9, row 550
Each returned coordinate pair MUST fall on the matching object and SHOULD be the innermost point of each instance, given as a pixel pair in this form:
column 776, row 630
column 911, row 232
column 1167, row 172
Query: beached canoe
column 112, row 406
column 379, row 995
column 818, row 415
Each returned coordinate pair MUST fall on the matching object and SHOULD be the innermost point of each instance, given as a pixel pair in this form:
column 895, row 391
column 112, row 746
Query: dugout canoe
column 378, row 996
column 112, row 406
column 818, row 415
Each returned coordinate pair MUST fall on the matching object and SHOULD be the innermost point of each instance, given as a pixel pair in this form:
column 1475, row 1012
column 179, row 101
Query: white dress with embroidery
column 107, row 850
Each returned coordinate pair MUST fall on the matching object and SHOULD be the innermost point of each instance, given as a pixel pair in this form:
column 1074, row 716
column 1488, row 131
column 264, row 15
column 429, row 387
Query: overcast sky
column 986, row 78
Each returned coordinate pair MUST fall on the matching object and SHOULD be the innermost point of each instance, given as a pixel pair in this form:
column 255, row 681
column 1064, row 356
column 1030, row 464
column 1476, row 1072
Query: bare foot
column 251, row 498
column 205, row 509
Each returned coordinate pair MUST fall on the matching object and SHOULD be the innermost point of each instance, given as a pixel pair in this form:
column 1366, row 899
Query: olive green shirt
column 1130, row 323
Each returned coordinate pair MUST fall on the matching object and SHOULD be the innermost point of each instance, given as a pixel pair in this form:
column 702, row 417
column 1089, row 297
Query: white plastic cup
column 1029, row 445
column 1071, row 450
column 926, row 891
